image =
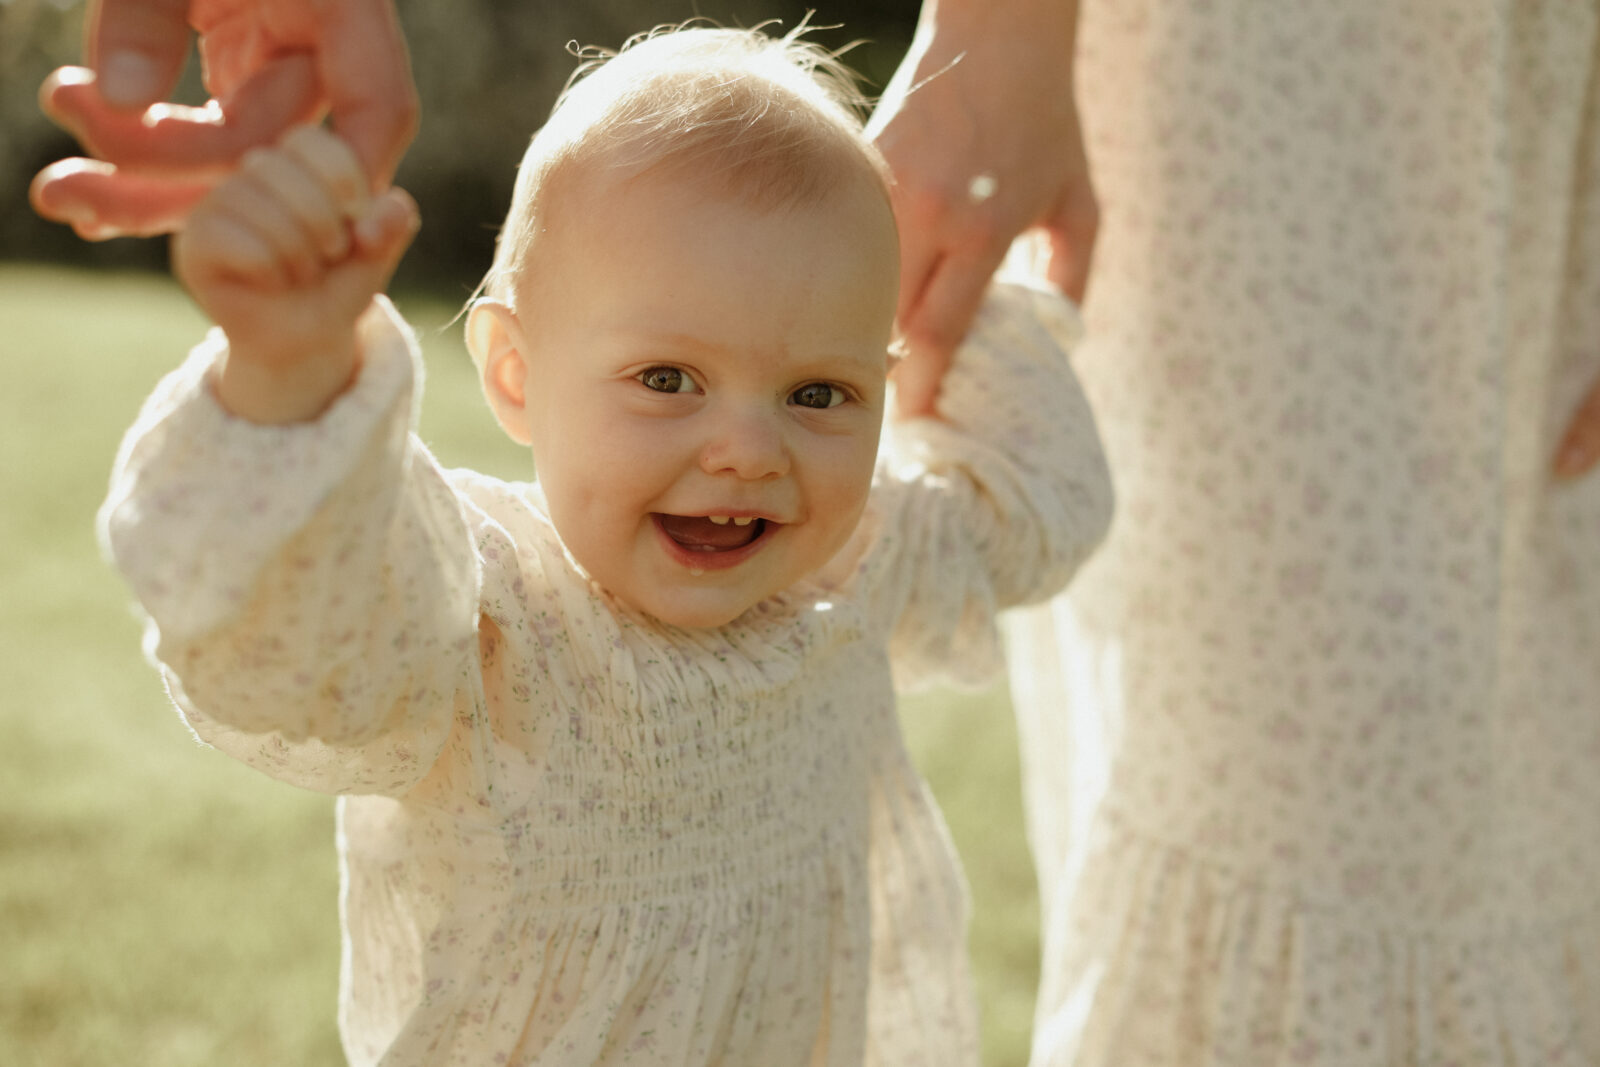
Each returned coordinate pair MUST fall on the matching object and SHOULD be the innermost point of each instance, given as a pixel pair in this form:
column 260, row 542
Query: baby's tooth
column 722, row 520
column 745, row 521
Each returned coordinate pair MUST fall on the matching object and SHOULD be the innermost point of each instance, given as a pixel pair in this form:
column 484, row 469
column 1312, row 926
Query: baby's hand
column 285, row 256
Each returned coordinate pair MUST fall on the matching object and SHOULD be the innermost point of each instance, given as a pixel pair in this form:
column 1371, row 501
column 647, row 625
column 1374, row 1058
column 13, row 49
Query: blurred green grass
column 160, row 904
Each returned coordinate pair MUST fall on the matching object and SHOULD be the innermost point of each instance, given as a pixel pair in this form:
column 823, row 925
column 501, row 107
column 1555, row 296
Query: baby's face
column 706, row 387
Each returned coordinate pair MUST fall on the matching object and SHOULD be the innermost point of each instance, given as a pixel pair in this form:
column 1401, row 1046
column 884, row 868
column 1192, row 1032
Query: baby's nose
column 749, row 445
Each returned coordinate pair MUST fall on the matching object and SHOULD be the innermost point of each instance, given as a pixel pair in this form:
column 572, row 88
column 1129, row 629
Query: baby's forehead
column 665, row 266
column 594, row 207
column 759, row 161
column 758, row 122
column 594, row 185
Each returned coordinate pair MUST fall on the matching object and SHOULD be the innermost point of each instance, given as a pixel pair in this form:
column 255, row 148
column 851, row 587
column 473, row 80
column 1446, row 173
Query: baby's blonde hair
column 774, row 121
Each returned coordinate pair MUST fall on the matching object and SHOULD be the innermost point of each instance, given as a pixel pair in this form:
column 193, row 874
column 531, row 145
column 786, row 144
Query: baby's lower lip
column 697, row 558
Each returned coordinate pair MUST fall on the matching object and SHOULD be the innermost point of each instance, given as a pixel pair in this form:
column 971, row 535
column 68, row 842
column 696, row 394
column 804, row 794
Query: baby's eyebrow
column 822, row 363
column 644, row 337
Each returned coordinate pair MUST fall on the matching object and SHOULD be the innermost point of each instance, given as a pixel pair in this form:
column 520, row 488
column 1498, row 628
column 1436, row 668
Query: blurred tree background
column 487, row 71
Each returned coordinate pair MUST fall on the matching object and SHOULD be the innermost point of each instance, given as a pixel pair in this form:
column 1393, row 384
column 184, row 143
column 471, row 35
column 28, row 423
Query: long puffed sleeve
column 998, row 500
column 311, row 590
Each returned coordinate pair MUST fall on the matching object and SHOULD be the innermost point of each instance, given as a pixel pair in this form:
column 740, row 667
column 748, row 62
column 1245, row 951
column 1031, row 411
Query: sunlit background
column 159, row 904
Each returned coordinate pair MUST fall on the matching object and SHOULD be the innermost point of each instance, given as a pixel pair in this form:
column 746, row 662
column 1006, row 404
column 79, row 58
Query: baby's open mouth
column 711, row 533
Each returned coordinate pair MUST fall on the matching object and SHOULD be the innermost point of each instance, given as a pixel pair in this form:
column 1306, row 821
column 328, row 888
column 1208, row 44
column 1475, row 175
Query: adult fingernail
column 129, row 79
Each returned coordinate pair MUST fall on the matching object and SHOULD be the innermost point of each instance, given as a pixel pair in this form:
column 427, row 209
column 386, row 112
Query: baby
column 621, row 778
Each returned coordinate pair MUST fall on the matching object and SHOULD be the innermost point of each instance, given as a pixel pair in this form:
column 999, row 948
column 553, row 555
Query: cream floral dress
column 1313, row 744
column 567, row 834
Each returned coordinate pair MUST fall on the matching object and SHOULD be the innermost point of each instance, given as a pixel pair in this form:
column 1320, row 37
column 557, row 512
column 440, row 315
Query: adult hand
column 980, row 129
column 1580, row 445
column 268, row 64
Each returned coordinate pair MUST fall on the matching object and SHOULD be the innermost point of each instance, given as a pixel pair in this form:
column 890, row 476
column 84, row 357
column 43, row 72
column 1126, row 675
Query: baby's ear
column 495, row 339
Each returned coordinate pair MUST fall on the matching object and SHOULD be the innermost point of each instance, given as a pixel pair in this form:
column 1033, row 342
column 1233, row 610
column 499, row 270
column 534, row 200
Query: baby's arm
column 285, row 256
column 310, row 590
column 311, row 586
column 998, row 499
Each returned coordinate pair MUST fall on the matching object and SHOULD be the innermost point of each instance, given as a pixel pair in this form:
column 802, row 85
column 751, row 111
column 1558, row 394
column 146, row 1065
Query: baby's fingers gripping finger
column 217, row 247
column 302, row 194
column 261, row 207
column 325, row 155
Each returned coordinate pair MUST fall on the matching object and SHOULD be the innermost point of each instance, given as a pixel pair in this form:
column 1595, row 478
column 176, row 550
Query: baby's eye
column 818, row 395
column 667, row 380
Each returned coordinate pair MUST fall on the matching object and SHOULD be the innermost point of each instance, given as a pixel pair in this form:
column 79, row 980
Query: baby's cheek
column 841, row 503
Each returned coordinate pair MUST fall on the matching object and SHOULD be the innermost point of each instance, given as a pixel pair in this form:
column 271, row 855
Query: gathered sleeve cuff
column 997, row 500
column 310, row 590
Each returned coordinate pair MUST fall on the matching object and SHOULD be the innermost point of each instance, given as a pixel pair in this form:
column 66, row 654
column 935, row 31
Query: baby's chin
column 710, row 621
column 694, row 609
column 699, row 612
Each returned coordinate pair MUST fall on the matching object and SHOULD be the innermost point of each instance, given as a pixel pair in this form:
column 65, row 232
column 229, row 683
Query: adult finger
column 917, row 379
column 918, row 260
column 100, row 201
column 920, row 217
column 951, row 299
column 938, row 323
column 1071, row 248
column 138, row 48
column 1580, row 446
column 366, row 74
column 185, row 142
